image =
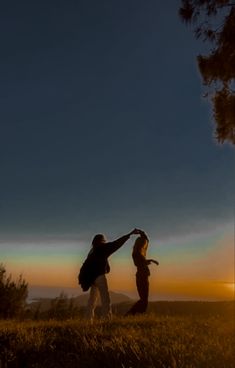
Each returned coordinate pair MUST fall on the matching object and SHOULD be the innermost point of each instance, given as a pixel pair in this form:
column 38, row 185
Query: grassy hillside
column 181, row 308
column 196, row 341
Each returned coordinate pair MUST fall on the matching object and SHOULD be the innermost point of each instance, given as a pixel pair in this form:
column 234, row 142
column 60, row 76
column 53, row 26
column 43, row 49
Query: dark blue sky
column 102, row 122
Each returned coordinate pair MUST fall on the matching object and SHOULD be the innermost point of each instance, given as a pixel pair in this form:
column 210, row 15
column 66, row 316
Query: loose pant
column 99, row 287
column 142, row 284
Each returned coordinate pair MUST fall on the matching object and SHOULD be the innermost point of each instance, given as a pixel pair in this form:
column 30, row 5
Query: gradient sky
column 103, row 128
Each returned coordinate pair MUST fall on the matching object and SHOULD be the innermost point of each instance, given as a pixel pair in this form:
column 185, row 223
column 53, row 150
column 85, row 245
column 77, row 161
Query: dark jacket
column 96, row 263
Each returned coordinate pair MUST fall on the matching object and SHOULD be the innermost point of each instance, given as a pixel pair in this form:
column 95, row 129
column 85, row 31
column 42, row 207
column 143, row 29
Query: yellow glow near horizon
column 49, row 274
column 161, row 282
column 231, row 286
column 206, row 273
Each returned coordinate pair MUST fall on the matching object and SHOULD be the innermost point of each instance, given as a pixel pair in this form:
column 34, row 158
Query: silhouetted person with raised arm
column 93, row 270
column 142, row 274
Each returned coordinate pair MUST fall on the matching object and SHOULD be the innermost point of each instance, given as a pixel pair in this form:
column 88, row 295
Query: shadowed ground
column 144, row 341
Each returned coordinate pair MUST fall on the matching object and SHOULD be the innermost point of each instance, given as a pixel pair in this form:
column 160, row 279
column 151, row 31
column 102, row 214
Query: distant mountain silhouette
column 79, row 301
column 121, row 304
column 116, row 298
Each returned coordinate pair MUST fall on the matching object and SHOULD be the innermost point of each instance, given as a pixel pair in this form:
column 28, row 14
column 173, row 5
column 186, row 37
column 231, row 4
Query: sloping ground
column 189, row 308
column 145, row 341
column 179, row 308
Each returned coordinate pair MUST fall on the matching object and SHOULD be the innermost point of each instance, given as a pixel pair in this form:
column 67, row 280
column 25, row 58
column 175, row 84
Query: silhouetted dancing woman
column 93, row 272
column 142, row 274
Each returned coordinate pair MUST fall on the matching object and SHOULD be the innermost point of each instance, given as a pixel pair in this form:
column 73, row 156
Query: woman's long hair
column 97, row 240
column 140, row 246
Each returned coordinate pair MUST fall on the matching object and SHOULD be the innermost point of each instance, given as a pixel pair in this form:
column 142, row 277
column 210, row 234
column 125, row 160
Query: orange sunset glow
column 206, row 273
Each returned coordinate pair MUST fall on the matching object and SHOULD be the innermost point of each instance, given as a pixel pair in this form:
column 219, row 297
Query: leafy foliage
column 62, row 308
column 59, row 308
column 13, row 295
column 214, row 21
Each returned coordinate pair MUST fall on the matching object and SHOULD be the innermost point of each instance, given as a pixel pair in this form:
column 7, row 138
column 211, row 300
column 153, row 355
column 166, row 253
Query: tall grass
column 125, row 342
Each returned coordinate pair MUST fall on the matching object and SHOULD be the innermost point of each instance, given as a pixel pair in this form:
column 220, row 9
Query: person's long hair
column 140, row 246
column 97, row 240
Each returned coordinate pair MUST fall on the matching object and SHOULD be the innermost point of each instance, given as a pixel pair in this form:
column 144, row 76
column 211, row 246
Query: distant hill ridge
column 122, row 303
column 79, row 301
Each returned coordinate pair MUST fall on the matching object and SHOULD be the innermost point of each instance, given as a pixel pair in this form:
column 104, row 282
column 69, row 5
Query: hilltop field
column 170, row 335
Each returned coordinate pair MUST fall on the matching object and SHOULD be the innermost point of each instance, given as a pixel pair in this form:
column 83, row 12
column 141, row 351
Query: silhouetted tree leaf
column 13, row 295
column 215, row 23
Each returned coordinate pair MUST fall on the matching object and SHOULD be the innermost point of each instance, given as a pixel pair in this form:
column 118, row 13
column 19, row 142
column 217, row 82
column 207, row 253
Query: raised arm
column 111, row 247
